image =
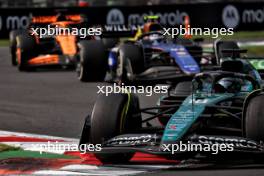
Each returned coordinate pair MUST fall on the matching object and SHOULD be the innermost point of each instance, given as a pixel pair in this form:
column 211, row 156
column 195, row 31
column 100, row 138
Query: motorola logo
column 230, row 16
column 115, row 17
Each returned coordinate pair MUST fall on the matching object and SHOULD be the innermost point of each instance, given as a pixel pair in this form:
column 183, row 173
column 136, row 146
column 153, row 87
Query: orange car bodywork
column 18, row 54
column 67, row 43
column 53, row 18
column 49, row 59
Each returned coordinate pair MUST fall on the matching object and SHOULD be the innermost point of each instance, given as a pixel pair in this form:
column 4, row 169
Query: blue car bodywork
column 181, row 58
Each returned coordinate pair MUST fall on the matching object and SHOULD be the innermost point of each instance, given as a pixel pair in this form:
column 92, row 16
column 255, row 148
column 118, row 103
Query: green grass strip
column 4, row 42
column 4, row 147
column 7, row 151
column 250, row 35
column 254, row 50
column 32, row 154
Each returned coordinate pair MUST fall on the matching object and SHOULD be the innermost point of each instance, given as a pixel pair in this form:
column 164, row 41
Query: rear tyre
column 13, row 44
column 93, row 61
column 134, row 54
column 111, row 119
column 253, row 116
column 26, row 49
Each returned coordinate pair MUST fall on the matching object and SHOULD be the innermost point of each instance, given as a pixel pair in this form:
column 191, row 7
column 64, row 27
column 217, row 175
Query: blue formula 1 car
column 224, row 108
column 149, row 56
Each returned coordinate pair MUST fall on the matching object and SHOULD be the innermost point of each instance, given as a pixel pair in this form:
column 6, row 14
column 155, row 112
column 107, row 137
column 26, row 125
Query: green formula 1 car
column 218, row 110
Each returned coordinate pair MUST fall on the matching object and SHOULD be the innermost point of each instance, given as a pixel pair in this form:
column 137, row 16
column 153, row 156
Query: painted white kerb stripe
column 38, row 146
column 81, row 169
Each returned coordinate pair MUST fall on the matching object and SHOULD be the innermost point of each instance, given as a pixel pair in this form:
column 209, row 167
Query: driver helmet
column 151, row 26
column 228, row 85
column 151, row 23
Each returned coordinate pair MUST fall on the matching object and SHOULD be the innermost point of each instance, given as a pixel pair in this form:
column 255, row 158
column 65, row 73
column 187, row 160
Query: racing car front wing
column 150, row 143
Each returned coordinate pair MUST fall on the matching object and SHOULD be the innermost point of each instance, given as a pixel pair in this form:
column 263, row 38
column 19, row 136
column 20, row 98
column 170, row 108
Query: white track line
column 78, row 167
column 56, row 172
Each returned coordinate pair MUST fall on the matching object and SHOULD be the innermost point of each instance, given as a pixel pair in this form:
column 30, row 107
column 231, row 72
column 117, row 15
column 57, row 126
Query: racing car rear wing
column 257, row 62
column 54, row 18
column 234, row 51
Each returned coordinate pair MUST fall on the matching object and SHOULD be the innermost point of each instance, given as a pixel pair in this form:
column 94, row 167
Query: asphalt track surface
column 56, row 103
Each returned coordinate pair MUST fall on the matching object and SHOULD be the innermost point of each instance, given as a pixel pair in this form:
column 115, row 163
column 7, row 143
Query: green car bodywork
column 194, row 105
column 258, row 63
column 188, row 113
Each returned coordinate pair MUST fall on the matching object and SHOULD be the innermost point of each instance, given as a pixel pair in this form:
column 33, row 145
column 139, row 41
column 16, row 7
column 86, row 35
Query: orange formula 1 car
column 29, row 50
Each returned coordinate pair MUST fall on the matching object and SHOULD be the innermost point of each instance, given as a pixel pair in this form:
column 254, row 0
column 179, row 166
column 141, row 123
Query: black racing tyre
column 113, row 115
column 221, row 45
column 110, row 42
column 253, row 116
column 134, row 54
column 13, row 44
column 183, row 88
column 93, row 61
column 26, row 49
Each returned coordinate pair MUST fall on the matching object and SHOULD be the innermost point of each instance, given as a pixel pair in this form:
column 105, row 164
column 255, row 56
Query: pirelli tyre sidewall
column 253, row 116
column 13, row 44
column 26, row 49
column 114, row 115
column 93, row 61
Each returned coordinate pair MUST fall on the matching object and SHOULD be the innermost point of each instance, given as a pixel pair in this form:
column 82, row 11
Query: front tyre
column 13, row 44
column 26, row 49
column 253, row 116
column 114, row 115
